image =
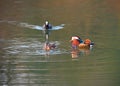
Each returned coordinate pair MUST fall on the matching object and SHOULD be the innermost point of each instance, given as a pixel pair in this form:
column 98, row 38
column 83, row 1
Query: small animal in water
column 78, row 43
column 49, row 46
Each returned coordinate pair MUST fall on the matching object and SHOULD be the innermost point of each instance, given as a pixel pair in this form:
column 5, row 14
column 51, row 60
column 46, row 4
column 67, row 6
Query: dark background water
column 23, row 62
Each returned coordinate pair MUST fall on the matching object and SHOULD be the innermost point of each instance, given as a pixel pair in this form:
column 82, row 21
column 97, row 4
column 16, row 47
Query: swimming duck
column 77, row 42
column 48, row 46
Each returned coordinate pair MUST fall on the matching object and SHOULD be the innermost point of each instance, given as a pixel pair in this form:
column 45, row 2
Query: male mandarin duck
column 78, row 43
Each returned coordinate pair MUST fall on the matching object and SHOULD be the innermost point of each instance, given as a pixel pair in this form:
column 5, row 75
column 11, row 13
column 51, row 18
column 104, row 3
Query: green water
column 23, row 62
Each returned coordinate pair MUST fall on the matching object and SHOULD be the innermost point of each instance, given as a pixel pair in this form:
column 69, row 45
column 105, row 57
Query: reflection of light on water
column 76, row 53
column 32, row 47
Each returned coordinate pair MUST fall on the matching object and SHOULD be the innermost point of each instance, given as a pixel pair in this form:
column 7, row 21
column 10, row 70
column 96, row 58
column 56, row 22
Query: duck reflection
column 84, row 51
column 76, row 53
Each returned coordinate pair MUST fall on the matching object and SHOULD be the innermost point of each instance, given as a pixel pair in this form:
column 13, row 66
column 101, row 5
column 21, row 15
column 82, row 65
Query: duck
column 78, row 43
column 87, row 44
column 47, row 46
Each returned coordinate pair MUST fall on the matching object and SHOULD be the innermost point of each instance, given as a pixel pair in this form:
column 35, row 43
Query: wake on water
column 33, row 47
column 30, row 26
column 30, row 47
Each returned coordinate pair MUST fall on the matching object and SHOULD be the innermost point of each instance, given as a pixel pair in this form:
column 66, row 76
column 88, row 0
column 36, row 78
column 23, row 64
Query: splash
column 30, row 26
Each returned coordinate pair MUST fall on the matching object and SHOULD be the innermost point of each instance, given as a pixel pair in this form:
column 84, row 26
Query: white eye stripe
column 74, row 38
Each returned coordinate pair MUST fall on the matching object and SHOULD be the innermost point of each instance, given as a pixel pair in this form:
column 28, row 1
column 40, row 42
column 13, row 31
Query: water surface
column 25, row 63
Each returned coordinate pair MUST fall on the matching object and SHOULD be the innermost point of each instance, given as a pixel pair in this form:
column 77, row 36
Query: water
column 25, row 63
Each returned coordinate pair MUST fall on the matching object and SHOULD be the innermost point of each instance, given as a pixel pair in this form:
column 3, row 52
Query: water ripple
column 32, row 47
